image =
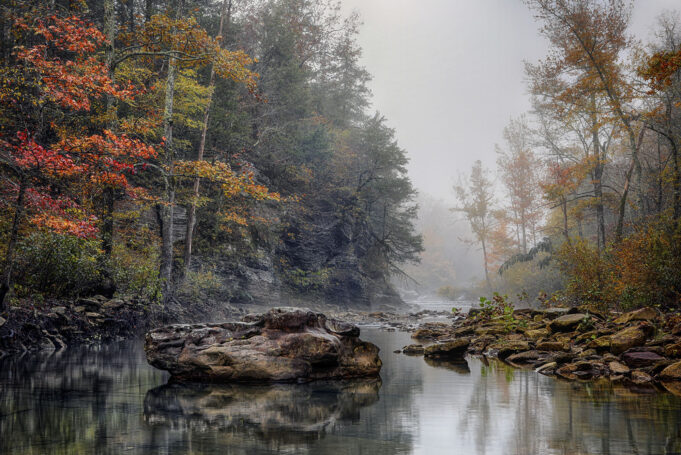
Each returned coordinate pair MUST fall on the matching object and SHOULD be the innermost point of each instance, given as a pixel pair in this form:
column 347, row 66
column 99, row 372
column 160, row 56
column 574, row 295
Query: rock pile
column 639, row 347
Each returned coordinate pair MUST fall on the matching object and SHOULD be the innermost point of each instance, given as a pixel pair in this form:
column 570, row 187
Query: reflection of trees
column 70, row 402
column 107, row 401
column 90, row 400
column 531, row 413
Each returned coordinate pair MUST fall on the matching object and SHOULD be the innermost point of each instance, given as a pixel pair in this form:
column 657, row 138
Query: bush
column 135, row 270
column 200, row 284
column 643, row 269
column 57, row 265
column 499, row 308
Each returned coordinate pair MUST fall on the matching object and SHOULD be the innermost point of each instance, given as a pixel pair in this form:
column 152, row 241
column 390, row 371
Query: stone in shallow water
column 413, row 349
column 451, row 349
column 282, row 345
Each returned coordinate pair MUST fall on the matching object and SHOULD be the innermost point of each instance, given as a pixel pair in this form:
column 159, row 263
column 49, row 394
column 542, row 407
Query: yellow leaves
column 232, row 183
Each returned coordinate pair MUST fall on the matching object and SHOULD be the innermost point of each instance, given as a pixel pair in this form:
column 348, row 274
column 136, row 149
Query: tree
column 661, row 69
column 53, row 169
column 588, row 38
column 475, row 196
column 520, row 174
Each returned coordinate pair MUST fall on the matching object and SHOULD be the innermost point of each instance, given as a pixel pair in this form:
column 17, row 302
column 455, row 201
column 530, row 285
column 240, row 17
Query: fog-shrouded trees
column 604, row 127
column 475, row 195
column 520, row 172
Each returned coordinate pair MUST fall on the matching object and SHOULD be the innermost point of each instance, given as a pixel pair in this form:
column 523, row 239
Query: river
column 107, row 400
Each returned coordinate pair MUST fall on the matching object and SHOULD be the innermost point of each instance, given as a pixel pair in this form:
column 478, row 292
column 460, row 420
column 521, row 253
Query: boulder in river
column 282, row 345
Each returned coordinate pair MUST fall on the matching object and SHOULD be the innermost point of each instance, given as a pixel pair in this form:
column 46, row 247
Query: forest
column 584, row 204
column 226, row 151
column 220, row 151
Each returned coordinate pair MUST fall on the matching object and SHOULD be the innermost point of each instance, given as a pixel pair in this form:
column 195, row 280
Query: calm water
column 107, row 400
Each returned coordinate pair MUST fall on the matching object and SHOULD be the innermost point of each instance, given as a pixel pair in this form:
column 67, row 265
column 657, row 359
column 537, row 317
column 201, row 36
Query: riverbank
column 640, row 348
column 32, row 325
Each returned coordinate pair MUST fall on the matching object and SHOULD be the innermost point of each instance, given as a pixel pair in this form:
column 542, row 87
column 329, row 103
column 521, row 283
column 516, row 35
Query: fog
column 448, row 75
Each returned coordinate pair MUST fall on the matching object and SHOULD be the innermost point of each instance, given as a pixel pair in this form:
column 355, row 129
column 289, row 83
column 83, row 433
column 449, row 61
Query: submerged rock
column 282, row 345
column 413, row 349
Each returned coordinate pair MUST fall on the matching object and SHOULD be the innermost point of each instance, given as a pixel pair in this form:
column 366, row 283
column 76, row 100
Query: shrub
column 135, row 270
column 57, row 265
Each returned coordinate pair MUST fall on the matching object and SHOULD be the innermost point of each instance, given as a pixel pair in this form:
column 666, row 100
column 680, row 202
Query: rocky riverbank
column 642, row 347
column 51, row 325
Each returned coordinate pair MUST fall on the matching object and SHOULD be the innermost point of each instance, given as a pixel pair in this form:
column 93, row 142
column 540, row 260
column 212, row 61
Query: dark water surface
column 107, row 400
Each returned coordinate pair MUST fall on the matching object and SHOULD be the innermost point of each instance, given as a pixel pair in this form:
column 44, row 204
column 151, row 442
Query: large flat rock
column 282, row 345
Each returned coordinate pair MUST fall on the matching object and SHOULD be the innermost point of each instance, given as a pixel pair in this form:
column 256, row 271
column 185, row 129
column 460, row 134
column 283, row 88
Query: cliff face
column 256, row 280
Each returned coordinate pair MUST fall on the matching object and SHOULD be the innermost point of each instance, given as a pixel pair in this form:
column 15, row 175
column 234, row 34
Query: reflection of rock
column 284, row 344
column 459, row 366
column 281, row 412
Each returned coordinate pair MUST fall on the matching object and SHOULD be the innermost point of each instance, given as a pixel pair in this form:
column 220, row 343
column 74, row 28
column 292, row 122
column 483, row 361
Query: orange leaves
column 660, row 68
column 64, row 64
column 240, row 188
column 79, row 228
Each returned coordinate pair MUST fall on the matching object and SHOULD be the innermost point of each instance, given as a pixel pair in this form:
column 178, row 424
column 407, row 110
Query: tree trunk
column 148, row 10
column 598, row 178
column 566, row 231
column 676, row 179
column 484, row 255
column 523, row 222
column 108, row 199
column 633, row 145
column 168, row 205
column 191, row 215
column 6, row 285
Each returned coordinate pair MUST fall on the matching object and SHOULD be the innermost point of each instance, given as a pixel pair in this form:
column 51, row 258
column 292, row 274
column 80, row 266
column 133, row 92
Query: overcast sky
column 448, row 75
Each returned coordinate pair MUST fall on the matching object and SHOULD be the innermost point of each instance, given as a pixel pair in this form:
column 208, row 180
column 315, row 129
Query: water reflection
column 458, row 366
column 107, row 400
column 281, row 412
